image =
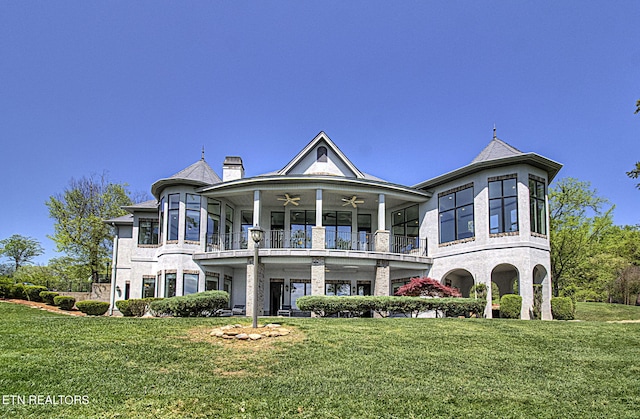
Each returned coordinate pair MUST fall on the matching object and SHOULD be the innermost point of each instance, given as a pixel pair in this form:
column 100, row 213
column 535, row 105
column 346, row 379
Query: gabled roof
column 496, row 149
column 124, row 219
column 151, row 205
column 199, row 174
column 321, row 138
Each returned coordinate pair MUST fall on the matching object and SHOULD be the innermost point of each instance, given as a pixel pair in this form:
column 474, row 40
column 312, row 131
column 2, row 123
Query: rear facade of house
column 331, row 229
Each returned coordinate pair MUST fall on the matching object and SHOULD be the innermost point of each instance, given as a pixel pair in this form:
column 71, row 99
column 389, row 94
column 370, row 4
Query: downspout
column 114, row 270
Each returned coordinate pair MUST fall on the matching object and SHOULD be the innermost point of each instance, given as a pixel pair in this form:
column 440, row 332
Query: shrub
column 17, row 292
column 64, row 302
column 510, row 306
column 478, row 291
column 5, row 288
column 202, row 304
column 536, row 311
column 427, row 287
column 92, row 308
column 47, row 296
column 33, row 292
column 562, row 308
column 324, row 306
column 123, row 307
column 136, row 307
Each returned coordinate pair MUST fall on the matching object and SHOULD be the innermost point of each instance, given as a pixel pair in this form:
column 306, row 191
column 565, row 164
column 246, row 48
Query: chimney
column 232, row 168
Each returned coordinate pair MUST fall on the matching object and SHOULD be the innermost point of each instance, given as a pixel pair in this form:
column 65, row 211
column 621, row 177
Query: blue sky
column 408, row 90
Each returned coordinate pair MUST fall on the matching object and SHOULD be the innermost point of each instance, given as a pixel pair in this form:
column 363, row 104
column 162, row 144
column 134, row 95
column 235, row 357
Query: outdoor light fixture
column 257, row 234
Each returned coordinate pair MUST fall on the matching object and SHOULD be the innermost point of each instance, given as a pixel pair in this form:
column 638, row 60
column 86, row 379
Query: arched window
column 322, row 154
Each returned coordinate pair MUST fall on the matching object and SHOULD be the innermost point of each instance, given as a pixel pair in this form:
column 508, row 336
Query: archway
column 506, row 278
column 460, row 279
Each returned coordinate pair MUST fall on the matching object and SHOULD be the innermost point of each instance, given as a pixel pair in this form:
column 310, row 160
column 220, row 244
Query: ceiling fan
column 290, row 200
column 354, row 201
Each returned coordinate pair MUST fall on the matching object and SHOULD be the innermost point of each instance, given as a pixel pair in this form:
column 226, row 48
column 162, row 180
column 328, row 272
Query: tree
column 637, row 107
column 635, row 173
column 578, row 225
column 427, row 287
column 20, row 249
column 79, row 214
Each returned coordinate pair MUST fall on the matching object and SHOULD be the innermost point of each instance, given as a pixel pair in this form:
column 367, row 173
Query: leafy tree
column 635, row 173
column 427, row 287
column 578, row 224
column 79, row 214
column 20, row 249
column 637, row 107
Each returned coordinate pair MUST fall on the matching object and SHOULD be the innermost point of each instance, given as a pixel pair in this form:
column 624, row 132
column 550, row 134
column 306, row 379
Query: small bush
column 123, row 307
column 135, row 307
column 33, row 292
column 64, row 302
column 562, row 308
column 510, row 306
column 202, row 304
column 92, row 308
column 48, row 296
column 17, row 292
column 478, row 291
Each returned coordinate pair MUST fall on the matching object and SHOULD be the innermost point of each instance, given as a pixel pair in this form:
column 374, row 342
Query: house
column 331, row 229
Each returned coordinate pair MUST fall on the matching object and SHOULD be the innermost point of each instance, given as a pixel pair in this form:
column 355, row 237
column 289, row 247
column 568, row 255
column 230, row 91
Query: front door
column 276, row 296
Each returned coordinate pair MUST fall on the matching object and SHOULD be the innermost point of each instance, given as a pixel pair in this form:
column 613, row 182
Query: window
column 174, row 216
column 322, row 154
column 192, row 219
column 213, row 224
column 338, row 288
column 455, row 210
column 246, row 222
column 503, row 206
column 211, row 281
column 537, row 206
column 189, row 283
column 301, row 225
column 227, row 287
column 364, row 232
column 228, row 227
column 277, row 230
column 169, row 285
column 161, row 229
column 148, row 286
column 337, row 229
column 299, row 288
column 148, row 231
column 405, row 222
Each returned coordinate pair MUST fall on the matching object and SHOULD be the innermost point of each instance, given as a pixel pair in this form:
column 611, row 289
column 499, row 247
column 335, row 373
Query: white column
column 257, row 206
column 319, row 208
column 382, row 211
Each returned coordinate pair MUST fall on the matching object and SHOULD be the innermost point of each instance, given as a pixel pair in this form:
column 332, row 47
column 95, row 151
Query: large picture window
column 192, row 220
column 148, row 286
column 405, row 222
column 148, row 231
column 503, row 205
column 302, row 223
column 299, row 289
column 338, row 289
column 174, row 216
column 211, row 281
column 337, row 229
column 456, row 215
column 537, row 206
column 189, row 283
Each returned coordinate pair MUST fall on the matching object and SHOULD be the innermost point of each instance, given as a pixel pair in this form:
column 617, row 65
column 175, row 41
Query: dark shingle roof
column 199, row 173
column 496, row 149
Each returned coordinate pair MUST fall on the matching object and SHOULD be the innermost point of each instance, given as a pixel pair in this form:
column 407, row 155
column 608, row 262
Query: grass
column 606, row 312
column 328, row 368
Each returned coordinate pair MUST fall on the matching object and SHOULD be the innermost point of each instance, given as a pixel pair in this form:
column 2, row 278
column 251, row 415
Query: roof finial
column 202, row 153
column 495, row 136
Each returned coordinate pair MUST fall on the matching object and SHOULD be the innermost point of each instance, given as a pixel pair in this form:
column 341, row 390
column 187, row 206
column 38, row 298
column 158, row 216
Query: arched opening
column 321, row 155
column 541, row 305
column 506, row 278
column 460, row 279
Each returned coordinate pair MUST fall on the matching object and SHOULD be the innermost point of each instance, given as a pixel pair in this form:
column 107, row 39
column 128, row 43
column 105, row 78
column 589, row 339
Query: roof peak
column 496, row 149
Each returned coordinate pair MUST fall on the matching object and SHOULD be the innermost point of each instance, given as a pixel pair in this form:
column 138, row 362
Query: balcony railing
column 280, row 239
column 408, row 245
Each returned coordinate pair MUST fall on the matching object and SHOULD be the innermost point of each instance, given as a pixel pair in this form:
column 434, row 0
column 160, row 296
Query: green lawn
column 329, row 368
column 606, row 312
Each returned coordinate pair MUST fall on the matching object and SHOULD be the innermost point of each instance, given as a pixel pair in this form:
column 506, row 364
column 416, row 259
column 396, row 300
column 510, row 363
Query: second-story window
column 537, row 207
column 192, row 220
column 503, row 205
column 174, row 216
column 455, row 209
column 405, row 222
column 161, row 220
column 148, row 231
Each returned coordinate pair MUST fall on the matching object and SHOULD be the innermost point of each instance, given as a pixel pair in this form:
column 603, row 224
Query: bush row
column 324, row 306
column 202, row 304
column 562, row 308
column 135, row 307
column 21, row 292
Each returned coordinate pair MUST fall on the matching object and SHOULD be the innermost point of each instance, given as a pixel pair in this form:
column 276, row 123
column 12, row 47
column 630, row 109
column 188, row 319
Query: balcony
column 300, row 239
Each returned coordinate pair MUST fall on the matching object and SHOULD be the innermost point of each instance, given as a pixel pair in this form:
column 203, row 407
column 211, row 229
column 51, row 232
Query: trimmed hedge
column 64, row 302
column 33, row 292
column 135, row 307
column 17, row 292
column 48, row 296
column 92, row 307
column 510, row 306
column 5, row 288
column 324, row 306
column 562, row 308
column 202, row 304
